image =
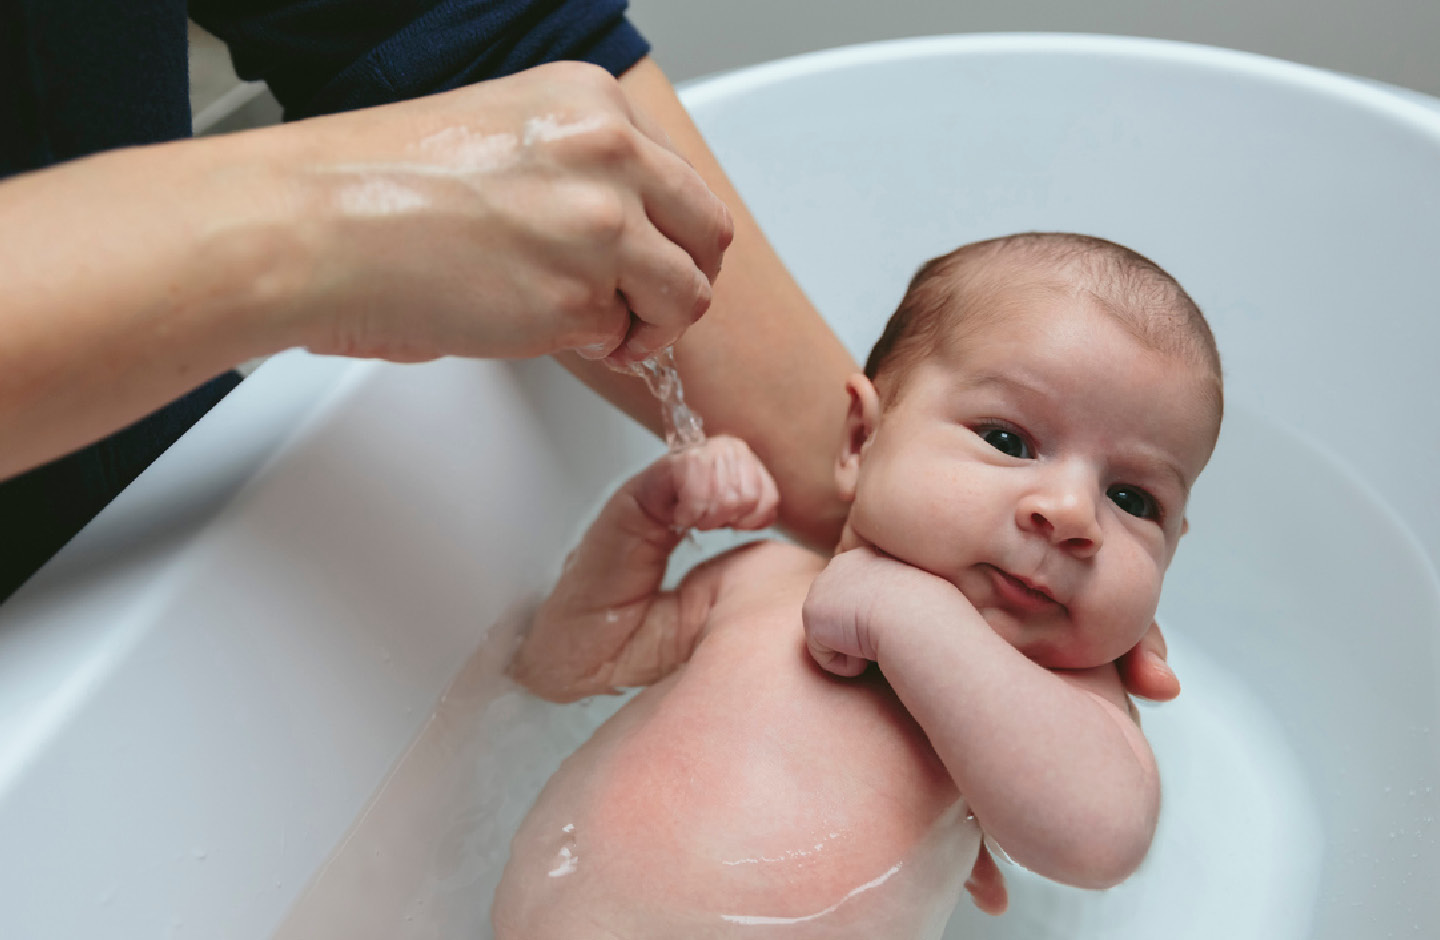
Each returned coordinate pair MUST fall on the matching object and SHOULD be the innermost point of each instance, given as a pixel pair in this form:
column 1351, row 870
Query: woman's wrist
column 255, row 269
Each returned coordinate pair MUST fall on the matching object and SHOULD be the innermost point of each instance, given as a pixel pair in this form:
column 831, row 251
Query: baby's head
column 1028, row 427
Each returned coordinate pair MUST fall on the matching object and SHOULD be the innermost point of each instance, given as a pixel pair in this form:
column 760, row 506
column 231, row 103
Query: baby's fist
column 717, row 484
column 838, row 612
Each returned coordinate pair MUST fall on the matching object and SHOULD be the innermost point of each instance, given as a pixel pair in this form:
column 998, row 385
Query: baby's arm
column 607, row 624
column 1051, row 763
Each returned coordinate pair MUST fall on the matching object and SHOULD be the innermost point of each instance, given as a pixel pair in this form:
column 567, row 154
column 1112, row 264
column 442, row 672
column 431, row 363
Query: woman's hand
column 512, row 218
column 517, row 217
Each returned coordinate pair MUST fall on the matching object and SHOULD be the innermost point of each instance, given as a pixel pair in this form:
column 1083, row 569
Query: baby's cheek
column 1124, row 610
column 1138, row 612
column 885, row 529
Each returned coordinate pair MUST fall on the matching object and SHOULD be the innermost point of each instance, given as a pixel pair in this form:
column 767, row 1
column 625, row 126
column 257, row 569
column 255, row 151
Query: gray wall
column 1396, row 41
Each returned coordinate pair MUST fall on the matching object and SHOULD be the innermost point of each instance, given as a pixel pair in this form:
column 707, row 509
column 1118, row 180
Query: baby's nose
column 1064, row 515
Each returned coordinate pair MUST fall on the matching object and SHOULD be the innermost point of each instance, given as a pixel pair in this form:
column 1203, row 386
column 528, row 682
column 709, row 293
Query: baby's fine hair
column 950, row 295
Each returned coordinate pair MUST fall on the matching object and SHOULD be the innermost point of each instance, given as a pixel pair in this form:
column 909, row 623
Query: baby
column 1017, row 458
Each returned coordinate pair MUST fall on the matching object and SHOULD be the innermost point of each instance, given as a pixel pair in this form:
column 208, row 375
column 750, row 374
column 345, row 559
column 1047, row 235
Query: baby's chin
column 1062, row 644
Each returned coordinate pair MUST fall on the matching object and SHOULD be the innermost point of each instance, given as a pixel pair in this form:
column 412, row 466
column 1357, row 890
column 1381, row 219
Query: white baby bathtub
column 202, row 694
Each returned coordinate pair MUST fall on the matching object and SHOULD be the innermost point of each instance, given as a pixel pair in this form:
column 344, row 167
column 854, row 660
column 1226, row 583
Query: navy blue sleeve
column 323, row 56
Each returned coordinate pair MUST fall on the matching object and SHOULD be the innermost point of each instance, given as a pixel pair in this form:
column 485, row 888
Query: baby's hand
column 842, row 612
column 717, row 484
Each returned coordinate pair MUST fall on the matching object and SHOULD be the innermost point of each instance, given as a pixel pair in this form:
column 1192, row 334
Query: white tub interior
column 202, row 694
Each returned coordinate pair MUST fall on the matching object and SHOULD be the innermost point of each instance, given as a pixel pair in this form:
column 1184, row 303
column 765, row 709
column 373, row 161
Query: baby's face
column 1042, row 465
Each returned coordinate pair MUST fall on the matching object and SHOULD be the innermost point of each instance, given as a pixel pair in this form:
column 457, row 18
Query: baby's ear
column 860, row 420
column 1184, row 525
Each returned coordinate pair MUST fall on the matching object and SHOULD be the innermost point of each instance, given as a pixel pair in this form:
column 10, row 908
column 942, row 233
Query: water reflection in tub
column 1242, row 850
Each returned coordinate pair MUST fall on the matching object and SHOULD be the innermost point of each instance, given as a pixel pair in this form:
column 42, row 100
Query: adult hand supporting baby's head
column 1144, row 669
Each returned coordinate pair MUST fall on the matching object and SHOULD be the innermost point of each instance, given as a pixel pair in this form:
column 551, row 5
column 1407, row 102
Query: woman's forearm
column 128, row 279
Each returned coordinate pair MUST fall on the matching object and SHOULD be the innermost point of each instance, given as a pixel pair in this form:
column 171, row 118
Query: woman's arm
column 129, row 279
column 607, row 625
column 1050, row 763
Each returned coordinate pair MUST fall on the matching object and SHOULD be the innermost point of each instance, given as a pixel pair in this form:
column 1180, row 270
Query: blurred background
column 1393, row 41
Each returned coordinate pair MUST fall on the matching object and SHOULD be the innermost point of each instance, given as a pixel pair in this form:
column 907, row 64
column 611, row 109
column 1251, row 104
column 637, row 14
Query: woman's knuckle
column 581, row 298
column 609, row 139
column 602, row 215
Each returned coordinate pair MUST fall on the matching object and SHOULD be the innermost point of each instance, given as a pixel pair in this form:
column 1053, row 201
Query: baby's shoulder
column 770, row 559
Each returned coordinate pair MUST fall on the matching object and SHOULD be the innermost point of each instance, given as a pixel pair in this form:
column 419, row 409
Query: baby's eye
column 1006, row 442
column 1135, row 501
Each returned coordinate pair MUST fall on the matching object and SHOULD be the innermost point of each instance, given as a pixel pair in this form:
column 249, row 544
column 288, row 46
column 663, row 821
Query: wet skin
column 718, row 803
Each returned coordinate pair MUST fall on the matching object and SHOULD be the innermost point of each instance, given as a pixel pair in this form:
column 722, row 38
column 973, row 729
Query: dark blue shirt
column 82, row 76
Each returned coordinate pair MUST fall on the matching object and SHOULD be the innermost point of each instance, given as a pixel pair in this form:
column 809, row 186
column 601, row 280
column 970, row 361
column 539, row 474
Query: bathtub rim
column 1411, row 107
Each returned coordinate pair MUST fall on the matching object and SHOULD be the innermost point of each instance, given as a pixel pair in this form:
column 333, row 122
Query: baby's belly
column 760, row 794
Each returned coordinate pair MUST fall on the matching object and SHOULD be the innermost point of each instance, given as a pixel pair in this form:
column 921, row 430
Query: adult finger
column 674, row 184
column 613, row 325
column 1145, row 671
column 683, row 208
column 665, row 290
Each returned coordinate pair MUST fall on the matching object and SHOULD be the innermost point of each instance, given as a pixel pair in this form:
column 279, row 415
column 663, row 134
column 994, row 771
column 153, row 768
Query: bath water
column 1274, row 824
column 682, row 426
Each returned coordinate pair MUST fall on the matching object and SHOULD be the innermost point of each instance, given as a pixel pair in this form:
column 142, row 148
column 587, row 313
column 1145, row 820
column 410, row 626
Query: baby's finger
column 841, row 664
column 657, row 490
column 695, row 488
column 725, row 486
column 761, row 495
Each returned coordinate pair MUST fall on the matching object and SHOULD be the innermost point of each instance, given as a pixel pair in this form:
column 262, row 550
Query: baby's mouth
column 1023, row 595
